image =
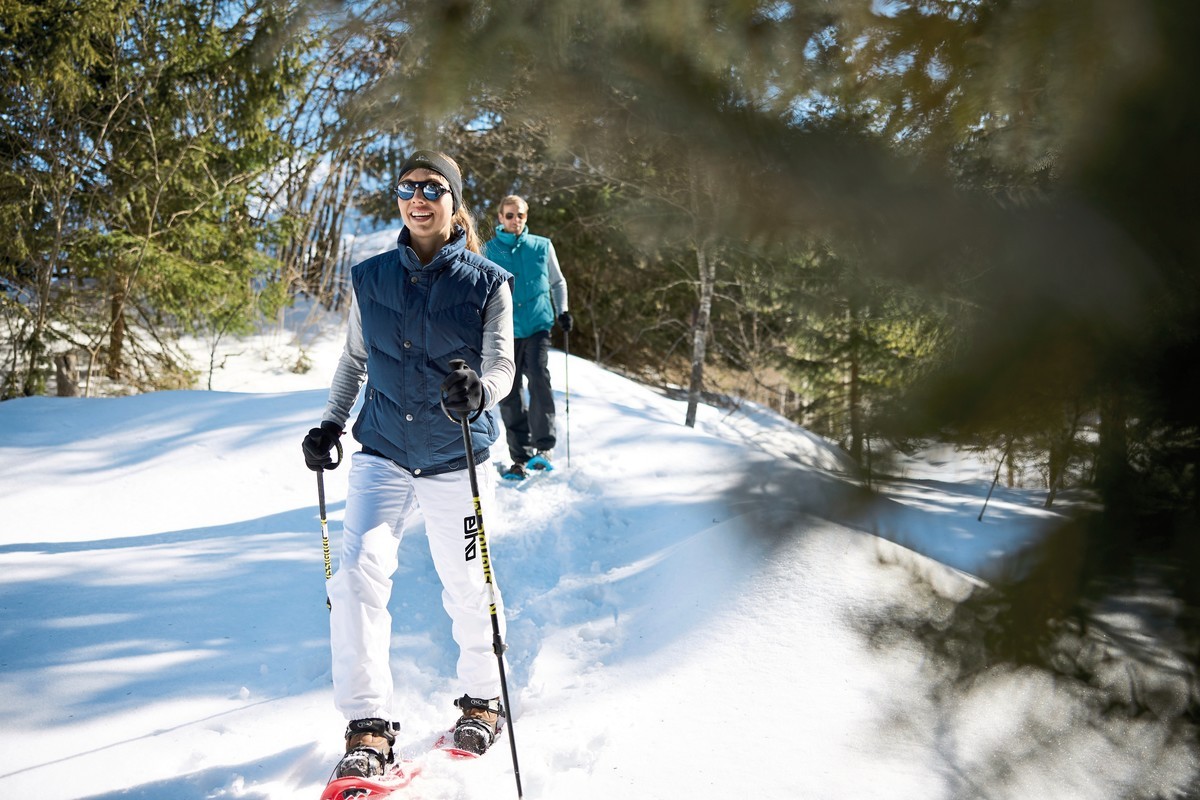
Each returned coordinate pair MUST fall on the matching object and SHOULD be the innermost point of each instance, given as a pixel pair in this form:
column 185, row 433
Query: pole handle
column 455, row 365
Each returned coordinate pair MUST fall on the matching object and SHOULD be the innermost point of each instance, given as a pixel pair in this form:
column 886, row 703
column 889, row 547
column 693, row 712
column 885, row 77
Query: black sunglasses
column 430, row 190
column 518, row 215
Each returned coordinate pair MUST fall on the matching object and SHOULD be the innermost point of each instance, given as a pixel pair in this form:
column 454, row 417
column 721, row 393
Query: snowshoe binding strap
column 362, row 762
column 479, row 724
column 368, row 747
column 379, row 727
column 466, row 702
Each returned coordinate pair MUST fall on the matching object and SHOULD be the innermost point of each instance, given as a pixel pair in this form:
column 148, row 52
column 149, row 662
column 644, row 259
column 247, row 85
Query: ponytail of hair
column 466, row 219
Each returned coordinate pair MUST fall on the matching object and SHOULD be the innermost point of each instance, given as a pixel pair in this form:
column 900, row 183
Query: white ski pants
column 381, row 500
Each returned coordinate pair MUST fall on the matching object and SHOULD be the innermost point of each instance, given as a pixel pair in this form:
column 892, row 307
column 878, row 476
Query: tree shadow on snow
column 1083, row 659
column 237, row 780
column 127, row 621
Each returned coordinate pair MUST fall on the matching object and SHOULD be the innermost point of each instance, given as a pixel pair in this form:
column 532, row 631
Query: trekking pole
column 567, row 388
column 324, row 526
column 498, row 645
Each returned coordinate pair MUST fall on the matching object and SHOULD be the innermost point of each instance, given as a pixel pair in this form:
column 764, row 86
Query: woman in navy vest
column 414, row 309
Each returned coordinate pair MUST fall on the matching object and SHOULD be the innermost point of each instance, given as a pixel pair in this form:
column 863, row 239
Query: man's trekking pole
column 324, row 526
column 567, row 388
column 498, row 645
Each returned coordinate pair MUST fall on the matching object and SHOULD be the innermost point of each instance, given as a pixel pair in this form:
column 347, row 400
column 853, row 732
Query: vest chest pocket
column 455, row 332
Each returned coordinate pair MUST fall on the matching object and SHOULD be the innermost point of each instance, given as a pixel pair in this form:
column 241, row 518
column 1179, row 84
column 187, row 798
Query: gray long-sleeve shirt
column 558, row 283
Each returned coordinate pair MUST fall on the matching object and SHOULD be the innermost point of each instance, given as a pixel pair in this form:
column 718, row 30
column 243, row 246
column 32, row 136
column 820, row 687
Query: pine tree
column 145, row 132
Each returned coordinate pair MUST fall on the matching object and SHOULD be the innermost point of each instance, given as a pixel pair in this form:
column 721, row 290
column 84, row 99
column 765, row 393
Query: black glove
column 318, row 443
column 565, row 322
column 462, row 391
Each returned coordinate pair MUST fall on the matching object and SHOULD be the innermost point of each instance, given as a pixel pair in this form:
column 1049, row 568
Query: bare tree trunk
column 116, row 335
column 35, row 346
column 1112, row 449
column 1061, row 451
column 1011, row 464
column 67, row 365
column 854, row 392
column 855, row 403
column 707, row 269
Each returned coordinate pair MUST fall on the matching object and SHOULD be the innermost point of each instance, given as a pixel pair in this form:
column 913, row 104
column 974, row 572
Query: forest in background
column 886, row 220
column 892, row 221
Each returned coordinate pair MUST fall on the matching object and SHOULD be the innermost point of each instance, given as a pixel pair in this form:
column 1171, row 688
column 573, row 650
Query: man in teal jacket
column 539, row 299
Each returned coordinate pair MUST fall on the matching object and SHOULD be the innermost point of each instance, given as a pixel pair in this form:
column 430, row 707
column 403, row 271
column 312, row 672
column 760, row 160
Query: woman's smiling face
column 428, row 220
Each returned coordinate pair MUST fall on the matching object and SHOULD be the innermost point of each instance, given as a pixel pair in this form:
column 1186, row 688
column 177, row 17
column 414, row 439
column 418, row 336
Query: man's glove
column 565, row 322
column 462, row 391
column 318, row 443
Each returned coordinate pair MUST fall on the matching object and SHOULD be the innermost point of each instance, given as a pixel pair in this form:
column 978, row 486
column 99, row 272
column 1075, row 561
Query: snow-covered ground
column 690, row 611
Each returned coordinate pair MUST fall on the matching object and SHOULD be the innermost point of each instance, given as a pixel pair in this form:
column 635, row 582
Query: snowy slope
column 687, row 612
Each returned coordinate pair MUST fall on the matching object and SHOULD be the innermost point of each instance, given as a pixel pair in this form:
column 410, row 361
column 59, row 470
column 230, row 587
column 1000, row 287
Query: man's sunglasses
column 518, row 215
column 430, row 190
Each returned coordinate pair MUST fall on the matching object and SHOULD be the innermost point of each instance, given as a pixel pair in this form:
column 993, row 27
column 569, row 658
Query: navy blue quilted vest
column 415, row 319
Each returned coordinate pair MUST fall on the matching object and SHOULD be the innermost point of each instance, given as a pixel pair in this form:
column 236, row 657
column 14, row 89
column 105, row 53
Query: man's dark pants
column 530, row 429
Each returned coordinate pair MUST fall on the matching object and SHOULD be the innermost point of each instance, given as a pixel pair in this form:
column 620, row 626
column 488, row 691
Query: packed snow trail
column 163, row 629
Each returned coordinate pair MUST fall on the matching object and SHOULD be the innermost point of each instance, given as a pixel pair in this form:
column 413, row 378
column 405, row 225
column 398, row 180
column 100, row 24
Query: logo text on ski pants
column 471, row 534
